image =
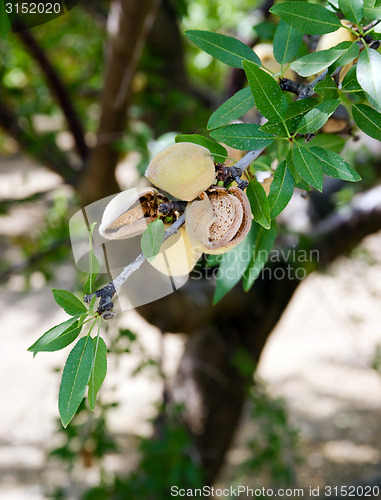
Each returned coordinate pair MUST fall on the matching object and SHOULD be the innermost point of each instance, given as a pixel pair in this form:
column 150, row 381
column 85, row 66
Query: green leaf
column 69, row 302
column 327, row 89
column 224, row 48
column 316, row 61
column 307, row 166
column 351, row 51
column 75, row 378
column 281, row 190
column 233, row 265
column 368, row 120
column 233, row 108
column 302, row 184
column 372, row 10
column 152, row 238
column 350, row 81
column 49, row 337
column 265, row 30
column 333, row 165
column 98, row 371
column 369, row 73
column 263, row 244
column 328, row 141
column 213, row 260
column 65, row 339
column 93, row 264
column 218, row 152
column 306, row 17
column 244, row 136
column 317, row 117
column 259, row 203
column 294, row 114
column 353, row 10
column 287, row 42
column 268, row 96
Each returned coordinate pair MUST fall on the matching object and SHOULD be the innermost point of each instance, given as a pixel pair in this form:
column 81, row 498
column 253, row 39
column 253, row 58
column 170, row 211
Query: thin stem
column 352, row 30
column 107, row 292
column 135, row 264
column 286, row 128
column 91, row 327
column 247, row 160
column 371, row 25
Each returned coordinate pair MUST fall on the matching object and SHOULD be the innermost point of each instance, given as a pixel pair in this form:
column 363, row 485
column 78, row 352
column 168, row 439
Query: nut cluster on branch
column 216, row 218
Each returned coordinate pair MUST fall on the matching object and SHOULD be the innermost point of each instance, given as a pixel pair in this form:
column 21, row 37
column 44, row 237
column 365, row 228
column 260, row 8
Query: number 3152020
column 32, row 8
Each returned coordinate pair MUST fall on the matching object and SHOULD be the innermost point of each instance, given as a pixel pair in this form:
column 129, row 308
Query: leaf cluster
column 86, row 364
column 294, row 128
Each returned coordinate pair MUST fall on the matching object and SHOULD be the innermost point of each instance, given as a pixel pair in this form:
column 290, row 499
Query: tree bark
column 128, row 24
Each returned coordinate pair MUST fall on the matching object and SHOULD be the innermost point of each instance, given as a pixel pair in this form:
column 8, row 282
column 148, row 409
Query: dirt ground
column 319, row 359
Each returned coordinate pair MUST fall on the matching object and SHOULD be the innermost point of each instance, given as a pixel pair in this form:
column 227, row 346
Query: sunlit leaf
column 294, row 114
column 98, row 371
column 307, row 166
column 316, row 61
column 327, row 88
column 352, row 9
column 259, row 203
column 47, row 339
column 287, row 41
column 227, row 49
column 218, row 152
column 333, row 165
column 233, row 108
column 317, row 117
column 69, row 302
column 372, row 10
column 327, row 141
column 350, row 80
column 369, row 73
column 308, row 18
column 368, row 119
column 281, row 190
column 244, row 136
column 268, row 96
column 75, row 378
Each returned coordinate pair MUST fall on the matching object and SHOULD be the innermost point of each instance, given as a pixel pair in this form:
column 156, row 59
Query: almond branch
column 107, row 292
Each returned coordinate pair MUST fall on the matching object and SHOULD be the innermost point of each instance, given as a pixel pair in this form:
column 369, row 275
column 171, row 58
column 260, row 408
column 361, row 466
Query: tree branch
column 48, row 153
column 58, row 89
column 106, row 293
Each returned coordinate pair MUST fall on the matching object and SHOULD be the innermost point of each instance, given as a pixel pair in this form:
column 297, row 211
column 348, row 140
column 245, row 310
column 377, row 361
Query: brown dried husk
column 219, row 220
